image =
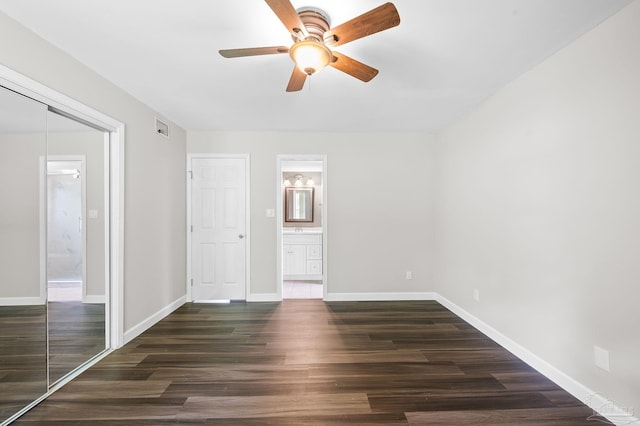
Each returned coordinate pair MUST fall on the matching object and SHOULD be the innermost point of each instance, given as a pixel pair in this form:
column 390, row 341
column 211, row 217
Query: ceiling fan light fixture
column 313, row 38
column 310, row 56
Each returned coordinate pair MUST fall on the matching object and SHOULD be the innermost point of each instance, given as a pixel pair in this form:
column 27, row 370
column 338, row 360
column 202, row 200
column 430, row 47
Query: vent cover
column 162, row 128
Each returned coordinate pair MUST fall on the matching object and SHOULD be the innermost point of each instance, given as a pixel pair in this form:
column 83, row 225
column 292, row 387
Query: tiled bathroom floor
column 302, row 290
column 64, row 291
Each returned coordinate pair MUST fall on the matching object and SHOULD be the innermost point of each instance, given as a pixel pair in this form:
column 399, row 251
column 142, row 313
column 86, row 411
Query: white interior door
column 218, row 240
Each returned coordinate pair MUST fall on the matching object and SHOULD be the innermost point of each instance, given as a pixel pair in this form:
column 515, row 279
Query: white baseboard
column 30, row 301
column 22, row 301
column 374, row 297
column 138, row 329
column 302, row 277
column 594, row 400
column 264, row 297
column 350, row 297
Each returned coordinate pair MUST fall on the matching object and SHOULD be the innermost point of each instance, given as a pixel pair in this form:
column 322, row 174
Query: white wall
column 19, row 157
column 154, row 262
column 21, row 258
column 538, row 208
column 379, row 206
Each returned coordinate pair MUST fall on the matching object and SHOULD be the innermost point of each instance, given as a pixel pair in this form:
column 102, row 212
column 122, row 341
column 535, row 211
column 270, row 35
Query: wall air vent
column 162, row 128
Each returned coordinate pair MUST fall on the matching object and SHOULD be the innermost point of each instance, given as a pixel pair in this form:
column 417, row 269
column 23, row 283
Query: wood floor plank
column 301, row 405
column 98, row 390
column 342, row 356
column 571, row 416
column 475, row 356
column 477, row 401
column 86, row 411
column 307, row 362
column 241, row 371
column 525, row 381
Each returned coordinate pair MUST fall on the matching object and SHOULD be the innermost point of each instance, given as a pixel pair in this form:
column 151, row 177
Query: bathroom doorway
column 65, row 229
column 302, row 230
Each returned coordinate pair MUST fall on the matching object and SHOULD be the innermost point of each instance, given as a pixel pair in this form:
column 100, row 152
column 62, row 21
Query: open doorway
column 302, row 226
column 65, row 230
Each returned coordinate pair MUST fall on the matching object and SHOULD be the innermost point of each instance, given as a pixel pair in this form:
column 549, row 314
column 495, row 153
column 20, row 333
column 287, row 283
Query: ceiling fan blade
column 285, row 11
column 253, row 51
column 296, row 82
column 379, row 19
column 352, row 67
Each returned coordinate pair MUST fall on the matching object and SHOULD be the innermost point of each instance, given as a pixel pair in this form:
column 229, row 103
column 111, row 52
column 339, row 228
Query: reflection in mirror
column 75, row 244
column 23, row 338
column 298, row 204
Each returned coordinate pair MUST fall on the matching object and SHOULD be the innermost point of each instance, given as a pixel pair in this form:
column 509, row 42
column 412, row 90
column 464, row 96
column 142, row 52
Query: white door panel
column 218, row 194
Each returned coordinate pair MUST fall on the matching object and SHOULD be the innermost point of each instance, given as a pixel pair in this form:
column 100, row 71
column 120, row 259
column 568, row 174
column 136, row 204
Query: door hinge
column 190, row 174
column 191, row 228
column 191, row 282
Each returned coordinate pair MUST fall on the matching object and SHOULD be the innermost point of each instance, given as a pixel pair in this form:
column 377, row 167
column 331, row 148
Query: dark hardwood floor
column 306, row 362
column 23, row 357
column 76, row 334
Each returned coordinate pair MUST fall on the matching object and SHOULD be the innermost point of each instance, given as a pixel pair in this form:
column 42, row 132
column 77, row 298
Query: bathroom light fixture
column 298, row 180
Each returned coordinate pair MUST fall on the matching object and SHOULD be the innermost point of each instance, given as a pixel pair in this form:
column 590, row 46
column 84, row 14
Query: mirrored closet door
column 23, row 300
column 75, row 244
column 53, row 247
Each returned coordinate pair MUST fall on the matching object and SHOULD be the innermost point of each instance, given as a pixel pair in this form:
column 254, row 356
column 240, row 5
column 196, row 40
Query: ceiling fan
column 313, row 39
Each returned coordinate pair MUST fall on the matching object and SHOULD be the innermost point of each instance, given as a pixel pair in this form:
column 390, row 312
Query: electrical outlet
column 409, row 275
column 476, row 295
column 601, row 358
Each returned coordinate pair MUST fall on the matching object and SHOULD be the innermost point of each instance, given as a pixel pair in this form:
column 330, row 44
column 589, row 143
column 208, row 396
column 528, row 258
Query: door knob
column 241, row 236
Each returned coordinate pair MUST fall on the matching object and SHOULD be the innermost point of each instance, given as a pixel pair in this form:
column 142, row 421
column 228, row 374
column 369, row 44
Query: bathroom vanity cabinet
column 302, row 256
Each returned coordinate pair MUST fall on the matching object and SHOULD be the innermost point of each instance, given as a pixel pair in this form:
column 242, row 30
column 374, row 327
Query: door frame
column 280, row 159
column 83, row 208
column 189, row 228
column 114, row 194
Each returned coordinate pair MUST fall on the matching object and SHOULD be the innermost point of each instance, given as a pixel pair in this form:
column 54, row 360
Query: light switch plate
column 93, row 214
column 271, row 213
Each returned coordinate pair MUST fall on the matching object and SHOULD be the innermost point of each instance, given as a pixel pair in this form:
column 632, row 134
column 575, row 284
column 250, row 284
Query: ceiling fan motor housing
column 316, row 21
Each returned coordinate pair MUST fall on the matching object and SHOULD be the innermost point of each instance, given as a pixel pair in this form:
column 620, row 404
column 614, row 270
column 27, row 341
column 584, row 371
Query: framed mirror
column 298, row 204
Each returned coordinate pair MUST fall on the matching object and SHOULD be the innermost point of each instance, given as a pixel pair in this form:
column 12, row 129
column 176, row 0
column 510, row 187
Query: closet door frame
column 114, row 185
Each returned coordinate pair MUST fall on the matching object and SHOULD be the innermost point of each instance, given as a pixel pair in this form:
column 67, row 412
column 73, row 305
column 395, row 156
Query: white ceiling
column 445, row 57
